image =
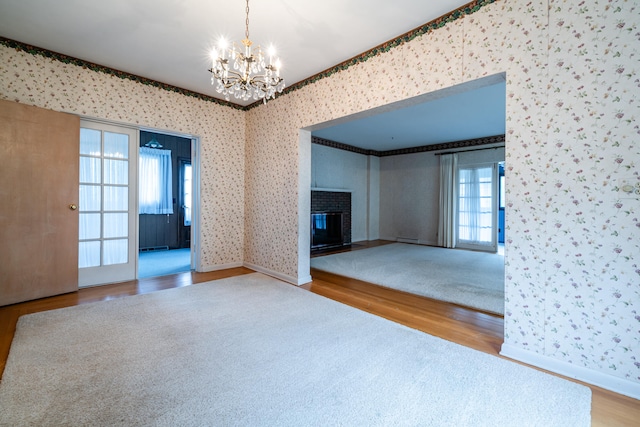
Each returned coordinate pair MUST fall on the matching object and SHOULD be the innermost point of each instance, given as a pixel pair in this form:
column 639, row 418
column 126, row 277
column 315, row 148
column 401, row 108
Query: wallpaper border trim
column 34, row 50
column 454, row 15
column 411, row 150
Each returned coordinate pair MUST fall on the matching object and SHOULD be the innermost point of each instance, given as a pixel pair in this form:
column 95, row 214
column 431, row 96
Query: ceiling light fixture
column 248, row 76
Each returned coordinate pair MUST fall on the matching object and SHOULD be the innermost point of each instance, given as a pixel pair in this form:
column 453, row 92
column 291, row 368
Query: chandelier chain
column 246, row 31
column 243, row 73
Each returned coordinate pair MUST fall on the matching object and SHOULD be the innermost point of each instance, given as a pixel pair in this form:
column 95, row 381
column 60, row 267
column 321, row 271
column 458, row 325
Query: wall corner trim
column 599, row 379
column 280, row 276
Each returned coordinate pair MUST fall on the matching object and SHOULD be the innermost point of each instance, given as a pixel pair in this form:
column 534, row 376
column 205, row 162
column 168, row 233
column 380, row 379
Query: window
column 156, row 190
column 502, row 187
column 476, row 205
column 186, row 192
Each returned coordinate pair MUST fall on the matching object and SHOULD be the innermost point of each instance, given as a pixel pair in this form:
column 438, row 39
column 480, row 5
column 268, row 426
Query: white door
column 107, row 204
column 477, row 207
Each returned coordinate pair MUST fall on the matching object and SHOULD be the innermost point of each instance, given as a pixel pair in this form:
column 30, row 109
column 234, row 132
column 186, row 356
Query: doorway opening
column 165, row 204
column 396, row 186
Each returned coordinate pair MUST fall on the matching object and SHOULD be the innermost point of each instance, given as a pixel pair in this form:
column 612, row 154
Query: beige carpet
column 469, row 278
column 254, row 351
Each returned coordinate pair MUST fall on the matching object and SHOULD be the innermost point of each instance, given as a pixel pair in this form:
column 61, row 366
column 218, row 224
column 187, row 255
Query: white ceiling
column 466, row 111
column 170, row 40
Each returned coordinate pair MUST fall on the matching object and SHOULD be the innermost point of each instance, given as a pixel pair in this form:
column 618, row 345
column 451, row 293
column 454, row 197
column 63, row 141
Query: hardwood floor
column 464, row 326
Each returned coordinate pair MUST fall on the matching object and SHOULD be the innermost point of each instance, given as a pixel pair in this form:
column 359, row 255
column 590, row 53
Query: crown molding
column 454, row 146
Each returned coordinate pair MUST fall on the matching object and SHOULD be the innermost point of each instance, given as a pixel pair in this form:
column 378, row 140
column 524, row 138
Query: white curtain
column 156, row 189
column 448, row 200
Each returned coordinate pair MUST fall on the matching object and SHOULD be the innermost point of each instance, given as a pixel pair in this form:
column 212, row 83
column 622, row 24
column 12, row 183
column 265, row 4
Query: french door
column 107, row 247
column 477, row 207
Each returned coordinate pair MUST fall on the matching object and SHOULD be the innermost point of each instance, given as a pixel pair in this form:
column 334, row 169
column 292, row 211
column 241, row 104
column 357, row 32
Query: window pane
column 475, row 207
column 485, row 189
column 116, row 172
column 89, row 254
column 115, row 252
column 90, row 170
column 116, row 198
column 89, row 142
column 116, row 145
column 116, row 225
column 89, row 226
column 89, row 198
column 187, row 195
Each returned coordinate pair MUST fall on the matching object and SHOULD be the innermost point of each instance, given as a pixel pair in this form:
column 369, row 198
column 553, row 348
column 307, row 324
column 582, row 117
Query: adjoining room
column 425, row 175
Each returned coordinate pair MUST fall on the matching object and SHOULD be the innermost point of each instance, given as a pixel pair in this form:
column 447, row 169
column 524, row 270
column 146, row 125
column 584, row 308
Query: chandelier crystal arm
column 249, row 77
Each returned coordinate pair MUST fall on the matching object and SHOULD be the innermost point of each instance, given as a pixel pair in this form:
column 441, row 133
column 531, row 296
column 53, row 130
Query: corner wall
column 48, row 83
column 332, row 168
column 572, row 237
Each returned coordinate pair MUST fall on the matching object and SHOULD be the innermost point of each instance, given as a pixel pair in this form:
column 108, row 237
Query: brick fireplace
column 334, row 202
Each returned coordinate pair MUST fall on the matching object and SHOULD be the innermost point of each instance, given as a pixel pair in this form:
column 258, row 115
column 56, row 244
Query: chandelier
column 243, row 73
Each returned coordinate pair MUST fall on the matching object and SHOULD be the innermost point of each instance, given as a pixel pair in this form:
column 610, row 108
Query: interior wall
column 492, row 155
column 48, row 83
column 332, row 168
column 374, row 198
column 571, row 237
column 409, row 198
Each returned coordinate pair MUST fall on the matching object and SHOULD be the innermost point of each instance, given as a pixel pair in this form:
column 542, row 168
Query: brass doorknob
column 73, row 207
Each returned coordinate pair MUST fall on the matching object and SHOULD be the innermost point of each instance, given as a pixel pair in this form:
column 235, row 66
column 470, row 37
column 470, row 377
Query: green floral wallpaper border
column 34, row 50
column 454, row 15
column 454, row 145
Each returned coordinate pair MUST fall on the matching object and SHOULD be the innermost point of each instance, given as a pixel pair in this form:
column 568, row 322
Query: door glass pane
column 89, row 226
column 106, row 220
column 115, row 252
column 116, row 225
column 89, row 198
column 89, row 142
column 89, row 254
column 116, row 198
column 116, row 145
column 90, row 170
column 116, row 172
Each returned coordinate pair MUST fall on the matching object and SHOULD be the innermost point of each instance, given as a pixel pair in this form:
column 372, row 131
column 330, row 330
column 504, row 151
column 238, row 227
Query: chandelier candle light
column 250, row 76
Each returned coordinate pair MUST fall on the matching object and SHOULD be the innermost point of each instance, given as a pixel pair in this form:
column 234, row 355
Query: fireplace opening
column 326, row 230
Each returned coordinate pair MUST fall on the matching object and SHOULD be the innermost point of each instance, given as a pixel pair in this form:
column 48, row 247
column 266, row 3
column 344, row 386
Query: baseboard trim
column 217, row 267
column 280, row 276
column 609, row 382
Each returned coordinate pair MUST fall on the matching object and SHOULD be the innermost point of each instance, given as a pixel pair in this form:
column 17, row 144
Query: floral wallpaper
column 592, row 277
column 47, row 83
column 573, row 237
